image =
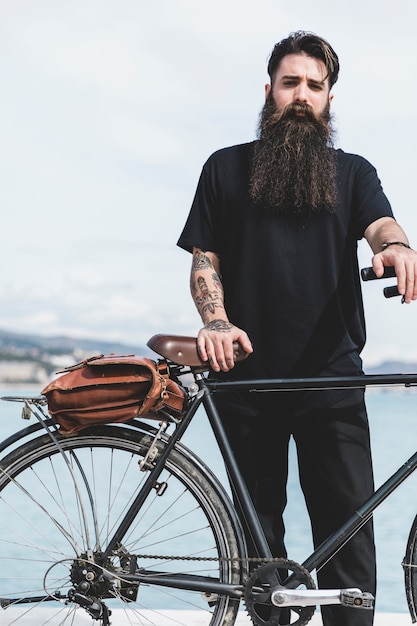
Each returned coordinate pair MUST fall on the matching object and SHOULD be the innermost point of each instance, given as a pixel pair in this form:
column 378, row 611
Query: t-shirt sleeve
column 200, row 228
column 369, row 199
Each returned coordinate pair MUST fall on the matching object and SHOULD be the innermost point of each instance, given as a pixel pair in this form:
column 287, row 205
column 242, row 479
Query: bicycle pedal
column 357, row 599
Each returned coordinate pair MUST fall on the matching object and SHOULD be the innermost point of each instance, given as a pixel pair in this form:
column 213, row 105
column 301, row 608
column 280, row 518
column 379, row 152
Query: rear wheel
column 54, row 534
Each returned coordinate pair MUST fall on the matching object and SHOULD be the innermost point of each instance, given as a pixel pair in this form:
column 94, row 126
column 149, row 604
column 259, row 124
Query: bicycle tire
column 47, row 537
column 410, row 571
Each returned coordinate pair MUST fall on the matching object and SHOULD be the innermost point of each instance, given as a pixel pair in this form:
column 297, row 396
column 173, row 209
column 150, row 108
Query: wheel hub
column 101, row 579
column 88, row 577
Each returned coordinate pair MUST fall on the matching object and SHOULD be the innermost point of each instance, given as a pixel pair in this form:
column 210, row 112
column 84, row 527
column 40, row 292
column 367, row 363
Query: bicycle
column 126, row 516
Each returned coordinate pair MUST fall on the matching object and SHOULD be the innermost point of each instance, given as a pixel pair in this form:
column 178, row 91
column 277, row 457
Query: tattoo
column 201, row 262
column 207, row 306
column 201, row 281
column 220, row 326
column 206, row 302
column 217, row 282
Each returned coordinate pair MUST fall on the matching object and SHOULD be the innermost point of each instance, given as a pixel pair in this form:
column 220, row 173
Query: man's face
column 300, row 78
column 293, row 171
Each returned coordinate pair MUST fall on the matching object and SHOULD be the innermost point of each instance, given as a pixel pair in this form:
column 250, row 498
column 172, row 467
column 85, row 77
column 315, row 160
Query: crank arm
column 312, row 597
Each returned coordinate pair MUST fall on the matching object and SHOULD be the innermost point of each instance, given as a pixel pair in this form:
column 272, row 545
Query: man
column 273, row 229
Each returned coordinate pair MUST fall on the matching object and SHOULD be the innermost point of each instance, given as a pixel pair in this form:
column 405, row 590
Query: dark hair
column 307, row 43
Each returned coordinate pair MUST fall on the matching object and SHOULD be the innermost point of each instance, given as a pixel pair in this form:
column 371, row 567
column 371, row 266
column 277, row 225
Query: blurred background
column 108, row 111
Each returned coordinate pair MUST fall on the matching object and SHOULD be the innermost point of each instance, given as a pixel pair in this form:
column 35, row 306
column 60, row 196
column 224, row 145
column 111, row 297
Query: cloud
column 107, row 115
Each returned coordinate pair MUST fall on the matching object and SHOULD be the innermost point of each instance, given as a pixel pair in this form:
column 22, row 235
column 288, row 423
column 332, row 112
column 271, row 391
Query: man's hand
column 404, row 260
column 215, row 344
column 391, row 249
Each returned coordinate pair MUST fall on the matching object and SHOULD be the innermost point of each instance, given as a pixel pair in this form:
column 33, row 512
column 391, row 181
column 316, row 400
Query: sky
column 108, row 111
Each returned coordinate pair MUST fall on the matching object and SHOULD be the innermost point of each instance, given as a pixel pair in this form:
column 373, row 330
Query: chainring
column 258, row 589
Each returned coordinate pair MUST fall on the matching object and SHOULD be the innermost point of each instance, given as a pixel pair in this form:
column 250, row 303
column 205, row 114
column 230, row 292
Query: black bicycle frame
column 334, row 542
column 320, row 556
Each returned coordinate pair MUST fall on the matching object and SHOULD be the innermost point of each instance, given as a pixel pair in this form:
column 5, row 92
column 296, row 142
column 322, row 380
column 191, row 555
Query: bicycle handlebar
column 367, row 273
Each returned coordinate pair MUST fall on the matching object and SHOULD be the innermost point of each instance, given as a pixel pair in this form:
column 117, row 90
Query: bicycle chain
column 223, row 559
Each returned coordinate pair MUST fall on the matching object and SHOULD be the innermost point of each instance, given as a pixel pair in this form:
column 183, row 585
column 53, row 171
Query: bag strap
column 80, row 365
column 155, row 398
column 163, row 368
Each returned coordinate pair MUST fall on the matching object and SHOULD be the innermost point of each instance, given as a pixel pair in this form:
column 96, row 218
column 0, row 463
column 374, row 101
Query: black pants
column 335, row 469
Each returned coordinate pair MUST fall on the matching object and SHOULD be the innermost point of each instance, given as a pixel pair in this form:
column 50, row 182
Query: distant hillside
column 11, row 341
column 35, row 359
column 393, row 367
column 27, row 359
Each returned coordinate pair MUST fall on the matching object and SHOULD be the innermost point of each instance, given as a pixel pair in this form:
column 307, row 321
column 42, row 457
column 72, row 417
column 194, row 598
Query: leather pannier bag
column 108, row 389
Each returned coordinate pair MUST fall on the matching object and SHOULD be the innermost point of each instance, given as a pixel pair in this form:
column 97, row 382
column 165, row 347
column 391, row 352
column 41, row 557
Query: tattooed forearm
column 206, row 286
column 221, row 326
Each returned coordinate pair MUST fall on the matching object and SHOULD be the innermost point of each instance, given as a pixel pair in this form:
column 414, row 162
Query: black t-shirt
column 292, row 284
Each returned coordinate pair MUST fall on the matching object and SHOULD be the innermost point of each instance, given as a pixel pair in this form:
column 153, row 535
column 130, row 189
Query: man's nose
column 301, row 93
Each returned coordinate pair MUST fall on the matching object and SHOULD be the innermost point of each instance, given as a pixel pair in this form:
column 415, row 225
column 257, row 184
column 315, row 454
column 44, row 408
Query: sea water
column 392, row 415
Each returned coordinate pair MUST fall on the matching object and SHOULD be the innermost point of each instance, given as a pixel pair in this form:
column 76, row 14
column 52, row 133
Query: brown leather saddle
column 183, row 350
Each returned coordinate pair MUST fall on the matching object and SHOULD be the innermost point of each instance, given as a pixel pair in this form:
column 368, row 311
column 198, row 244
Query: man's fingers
column 245, row 343
column 409, row 282
column 209, row 352
column 405, row 264
column 215, row 349
column 378, row 266
column 201, row 346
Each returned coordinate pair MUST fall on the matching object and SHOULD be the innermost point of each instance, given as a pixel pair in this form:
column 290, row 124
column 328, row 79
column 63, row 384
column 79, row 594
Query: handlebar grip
column 391, row 292
column 367, row 273
column 238, row 352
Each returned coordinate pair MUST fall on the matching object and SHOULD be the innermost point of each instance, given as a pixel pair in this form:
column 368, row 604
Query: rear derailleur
column 94, row 607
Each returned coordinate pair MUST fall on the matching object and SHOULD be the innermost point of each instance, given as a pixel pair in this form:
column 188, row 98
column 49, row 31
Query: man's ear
column 331, row 96
column 267, row 91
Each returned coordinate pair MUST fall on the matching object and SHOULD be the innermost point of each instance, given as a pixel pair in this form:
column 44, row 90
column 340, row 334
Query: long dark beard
column 294, row 165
